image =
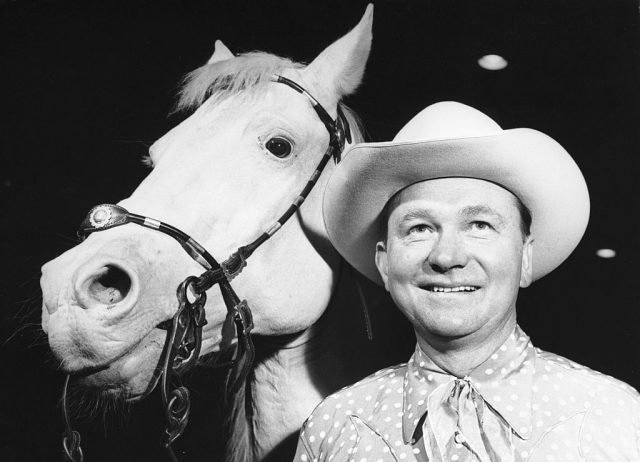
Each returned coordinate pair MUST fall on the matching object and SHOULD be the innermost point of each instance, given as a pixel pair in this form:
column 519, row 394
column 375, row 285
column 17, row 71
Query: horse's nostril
column 111, row 285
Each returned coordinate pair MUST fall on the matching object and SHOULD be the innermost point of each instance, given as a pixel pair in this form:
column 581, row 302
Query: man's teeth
column 454, row 289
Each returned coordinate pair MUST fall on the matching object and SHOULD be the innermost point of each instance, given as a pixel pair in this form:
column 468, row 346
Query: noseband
column 184, row 329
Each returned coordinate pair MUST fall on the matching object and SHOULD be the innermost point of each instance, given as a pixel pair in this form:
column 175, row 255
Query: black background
column 86, row 87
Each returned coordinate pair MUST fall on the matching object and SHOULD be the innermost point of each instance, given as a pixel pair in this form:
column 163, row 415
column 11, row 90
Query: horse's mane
column 247, row 74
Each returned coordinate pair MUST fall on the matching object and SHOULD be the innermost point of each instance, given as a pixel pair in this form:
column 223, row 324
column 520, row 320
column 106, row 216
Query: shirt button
column 458, row 438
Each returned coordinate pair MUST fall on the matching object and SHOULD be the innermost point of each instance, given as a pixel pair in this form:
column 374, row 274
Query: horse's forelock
column 222, row 79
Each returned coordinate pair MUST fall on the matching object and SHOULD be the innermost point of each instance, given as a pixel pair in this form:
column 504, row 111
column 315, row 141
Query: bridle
column 184, row 329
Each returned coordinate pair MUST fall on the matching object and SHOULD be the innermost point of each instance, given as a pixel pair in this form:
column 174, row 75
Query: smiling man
column 453, row 217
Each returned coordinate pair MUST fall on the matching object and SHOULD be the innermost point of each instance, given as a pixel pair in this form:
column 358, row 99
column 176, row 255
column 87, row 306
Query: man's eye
column 418, row 229
column 481, row 225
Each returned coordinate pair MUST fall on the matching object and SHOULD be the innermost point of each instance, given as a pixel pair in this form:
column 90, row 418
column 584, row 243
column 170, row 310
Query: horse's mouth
column 132, row 374
column 83, row 373
column 108, row 381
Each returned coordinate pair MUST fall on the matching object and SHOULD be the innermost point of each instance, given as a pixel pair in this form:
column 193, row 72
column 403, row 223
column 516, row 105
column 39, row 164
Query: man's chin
column 463, row 328
column 446, row 326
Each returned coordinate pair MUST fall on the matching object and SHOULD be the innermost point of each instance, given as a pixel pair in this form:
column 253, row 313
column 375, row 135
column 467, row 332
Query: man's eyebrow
column 473, row 211
column 417, row 213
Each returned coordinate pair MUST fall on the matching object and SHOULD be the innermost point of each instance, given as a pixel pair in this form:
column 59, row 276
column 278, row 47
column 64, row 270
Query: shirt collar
column 505, row 381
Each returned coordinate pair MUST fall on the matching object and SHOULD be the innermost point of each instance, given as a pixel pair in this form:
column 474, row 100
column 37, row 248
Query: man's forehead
column 470, row 194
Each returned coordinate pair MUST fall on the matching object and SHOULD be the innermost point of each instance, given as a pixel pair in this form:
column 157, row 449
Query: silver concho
column 100, row 216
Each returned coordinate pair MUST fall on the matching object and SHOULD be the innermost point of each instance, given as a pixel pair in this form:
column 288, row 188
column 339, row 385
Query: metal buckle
column 233, row 265
column 243, row 315
column 101, row 217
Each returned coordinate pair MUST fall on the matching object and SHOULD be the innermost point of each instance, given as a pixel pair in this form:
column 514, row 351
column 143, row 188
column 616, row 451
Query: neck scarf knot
column 459, row 422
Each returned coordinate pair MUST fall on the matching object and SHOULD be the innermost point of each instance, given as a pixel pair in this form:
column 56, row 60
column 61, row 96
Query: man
column 460, row 215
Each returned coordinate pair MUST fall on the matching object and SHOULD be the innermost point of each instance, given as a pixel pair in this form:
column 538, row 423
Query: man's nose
column 448, row 252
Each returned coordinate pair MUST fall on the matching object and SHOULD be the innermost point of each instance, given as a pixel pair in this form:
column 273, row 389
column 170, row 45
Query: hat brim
column 526, row 162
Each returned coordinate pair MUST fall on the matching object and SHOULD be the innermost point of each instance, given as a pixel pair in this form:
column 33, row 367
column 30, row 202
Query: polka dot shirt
column 521, row 404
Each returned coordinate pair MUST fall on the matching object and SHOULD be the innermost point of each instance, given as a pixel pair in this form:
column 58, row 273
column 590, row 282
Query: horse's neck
column 292, row 376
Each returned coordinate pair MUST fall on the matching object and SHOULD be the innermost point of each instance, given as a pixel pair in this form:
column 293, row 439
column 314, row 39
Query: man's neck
column 460, row 355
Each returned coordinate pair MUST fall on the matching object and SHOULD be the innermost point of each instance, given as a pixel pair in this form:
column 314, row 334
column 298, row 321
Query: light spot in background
column 492, row 62
column 606, row 253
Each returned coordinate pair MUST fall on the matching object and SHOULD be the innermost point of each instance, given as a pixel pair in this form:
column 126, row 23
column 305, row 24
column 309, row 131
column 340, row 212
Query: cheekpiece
column 101, row 217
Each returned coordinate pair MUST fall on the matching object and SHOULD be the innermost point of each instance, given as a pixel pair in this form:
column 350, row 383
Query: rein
column 184, row 329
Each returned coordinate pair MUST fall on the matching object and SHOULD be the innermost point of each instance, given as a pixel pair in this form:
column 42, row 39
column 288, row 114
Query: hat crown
column 447, row 120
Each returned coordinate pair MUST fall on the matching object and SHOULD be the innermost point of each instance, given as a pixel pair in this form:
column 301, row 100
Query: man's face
column 455, row 257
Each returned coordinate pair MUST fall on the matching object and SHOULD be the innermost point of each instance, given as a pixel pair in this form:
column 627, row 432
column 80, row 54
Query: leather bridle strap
column 339, row 135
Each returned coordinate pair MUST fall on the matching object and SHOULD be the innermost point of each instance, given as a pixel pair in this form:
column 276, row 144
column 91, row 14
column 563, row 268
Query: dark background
column 86, row 87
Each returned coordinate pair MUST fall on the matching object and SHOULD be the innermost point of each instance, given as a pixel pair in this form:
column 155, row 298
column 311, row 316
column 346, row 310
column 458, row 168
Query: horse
column 223, row 176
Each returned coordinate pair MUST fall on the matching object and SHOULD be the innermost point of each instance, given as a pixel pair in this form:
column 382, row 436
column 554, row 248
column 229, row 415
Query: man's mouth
column 447, row 289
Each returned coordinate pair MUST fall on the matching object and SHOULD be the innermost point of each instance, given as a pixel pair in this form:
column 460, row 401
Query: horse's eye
column 279, row 147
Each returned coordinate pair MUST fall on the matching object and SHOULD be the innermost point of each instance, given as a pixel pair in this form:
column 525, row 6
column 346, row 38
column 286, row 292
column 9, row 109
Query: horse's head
column 223, row 176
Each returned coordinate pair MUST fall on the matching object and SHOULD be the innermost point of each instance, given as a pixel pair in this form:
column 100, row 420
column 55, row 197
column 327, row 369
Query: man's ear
column 382, row 263
column 526, row 272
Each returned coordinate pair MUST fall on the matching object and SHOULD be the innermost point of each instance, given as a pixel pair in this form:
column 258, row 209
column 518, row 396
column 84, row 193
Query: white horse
column 223, row 176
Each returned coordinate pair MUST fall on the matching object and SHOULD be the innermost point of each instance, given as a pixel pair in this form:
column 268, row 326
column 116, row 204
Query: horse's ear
column 220, row 53
column 342, row 63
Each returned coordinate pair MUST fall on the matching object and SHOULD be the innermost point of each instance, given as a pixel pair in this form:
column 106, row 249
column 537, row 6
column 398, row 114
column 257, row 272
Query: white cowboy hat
column 450, row 139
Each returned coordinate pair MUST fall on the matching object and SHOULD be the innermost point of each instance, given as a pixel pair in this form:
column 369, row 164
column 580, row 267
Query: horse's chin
column 110, row 382
column 132, row 376
column 91, row 399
